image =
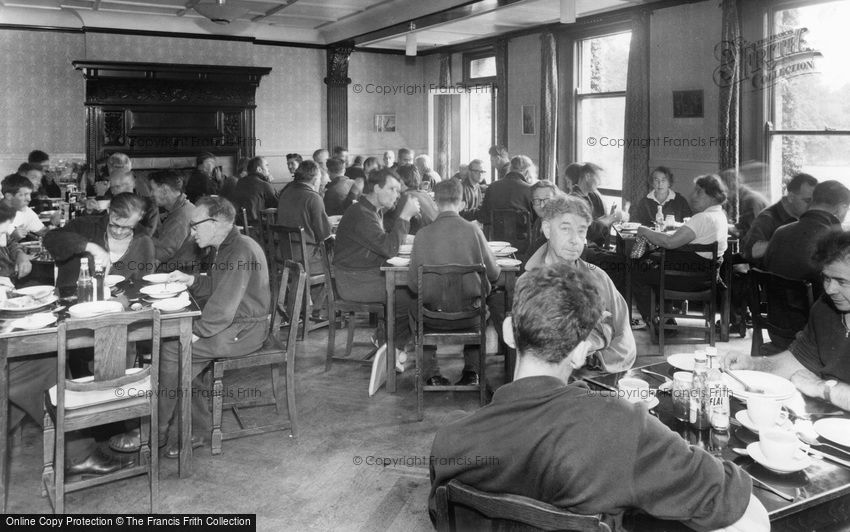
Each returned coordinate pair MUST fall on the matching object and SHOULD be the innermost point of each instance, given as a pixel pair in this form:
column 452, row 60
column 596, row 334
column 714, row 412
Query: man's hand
column 5, row 281
column 410, row 209
column 19, row 233
column 643, row 231
column 57, row 216
column 100, row 187
column 734, row 360
column 179, row 277
column 23, row 266
column 99, row 254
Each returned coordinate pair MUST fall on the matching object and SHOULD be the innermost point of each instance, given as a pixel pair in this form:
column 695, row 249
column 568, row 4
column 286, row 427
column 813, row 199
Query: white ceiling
column 302, row 21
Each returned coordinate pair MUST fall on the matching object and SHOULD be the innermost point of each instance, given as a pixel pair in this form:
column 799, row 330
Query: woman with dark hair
column 411, row 181
column 661, row 194
column 707, row 226
column 114, row 239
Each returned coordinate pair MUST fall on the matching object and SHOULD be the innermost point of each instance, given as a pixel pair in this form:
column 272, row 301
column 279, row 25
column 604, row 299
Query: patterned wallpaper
column 140, row 48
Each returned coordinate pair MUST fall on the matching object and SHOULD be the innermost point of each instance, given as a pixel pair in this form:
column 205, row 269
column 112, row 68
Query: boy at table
column 234, row 320
column 565, row 223
column 589, row 453
column 450, row 240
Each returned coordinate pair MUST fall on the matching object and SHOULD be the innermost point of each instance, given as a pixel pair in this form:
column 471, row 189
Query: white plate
column 508, row 262
column 683, row 361
column 37, row 292
column 112, row 280
column 94, row 308
column 34, row 321
column 504, row 252
column 156, row 278
column 798, row 462
column 744, row 418
column 27, row 303
column 650, row 403
column 399, row 261
column 173, row 304
column 497, row 244
column 334, row 220
column 773, row 386
column 630, row 226
column 405, row 249
column 162, row 291
column 835, row 430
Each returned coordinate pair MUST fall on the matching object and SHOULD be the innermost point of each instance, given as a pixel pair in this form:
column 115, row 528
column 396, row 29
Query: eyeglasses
column 194, row 225
column 540, row 201
column 482, row 171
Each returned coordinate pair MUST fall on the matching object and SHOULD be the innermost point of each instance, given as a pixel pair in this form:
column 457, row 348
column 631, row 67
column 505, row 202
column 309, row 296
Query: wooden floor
column 314, row 482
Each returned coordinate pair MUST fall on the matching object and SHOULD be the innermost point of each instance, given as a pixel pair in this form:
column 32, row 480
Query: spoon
column 747, row 387
column 760, row 484
column 813, row 441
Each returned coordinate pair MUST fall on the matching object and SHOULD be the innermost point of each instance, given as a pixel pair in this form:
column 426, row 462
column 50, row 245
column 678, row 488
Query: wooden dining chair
column 267, row 219
column 92, row 401
column 780, row 305
column 511, row 225
column 344, row 311
column 450, row 305
column 278, row 354
column 661, row 294
column 502, row 511
column 290, row 243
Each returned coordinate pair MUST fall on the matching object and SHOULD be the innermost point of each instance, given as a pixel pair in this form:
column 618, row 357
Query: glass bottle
column 659, row 219
column 718, row 393
column 85, row 287
column 699, row 393
column 98, row 284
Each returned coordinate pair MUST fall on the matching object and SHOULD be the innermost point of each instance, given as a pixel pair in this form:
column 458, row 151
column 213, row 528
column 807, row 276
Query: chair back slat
column 511, row 225
column 451, row 303
column 290, row 298
column 788, row 303
column 514, row 509
column 698, row 270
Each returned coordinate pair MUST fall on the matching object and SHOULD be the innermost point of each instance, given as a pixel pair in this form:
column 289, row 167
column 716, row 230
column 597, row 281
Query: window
column 806, row 82
column 600, row 90
column 479, row 66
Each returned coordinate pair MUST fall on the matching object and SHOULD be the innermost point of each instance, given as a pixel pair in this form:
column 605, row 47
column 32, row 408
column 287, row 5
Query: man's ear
column 546, row 228
column 508, row 332
column 578, row 355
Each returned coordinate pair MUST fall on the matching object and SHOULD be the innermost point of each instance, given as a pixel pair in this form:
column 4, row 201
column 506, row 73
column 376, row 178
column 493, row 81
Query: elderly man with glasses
column 470, row 181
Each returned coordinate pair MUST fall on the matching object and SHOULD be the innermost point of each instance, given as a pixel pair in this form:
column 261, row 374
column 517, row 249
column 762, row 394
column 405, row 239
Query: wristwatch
column 827, row 389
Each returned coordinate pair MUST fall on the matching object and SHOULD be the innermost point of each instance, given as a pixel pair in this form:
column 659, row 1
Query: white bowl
column 162, row 291
column 36, row 292
column 156, row 278
column 172, row 304
column 112, row 280
column 94, row 308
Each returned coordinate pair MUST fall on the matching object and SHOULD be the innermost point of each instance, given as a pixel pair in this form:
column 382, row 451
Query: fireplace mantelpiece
column 169, row 110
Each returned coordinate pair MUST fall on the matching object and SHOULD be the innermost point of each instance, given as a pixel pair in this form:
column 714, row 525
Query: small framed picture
column 385, row 123
column 687, row 104
column 529, row 120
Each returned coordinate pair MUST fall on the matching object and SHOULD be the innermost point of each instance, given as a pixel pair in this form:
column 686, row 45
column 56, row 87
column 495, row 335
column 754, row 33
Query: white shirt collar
column 670, row 196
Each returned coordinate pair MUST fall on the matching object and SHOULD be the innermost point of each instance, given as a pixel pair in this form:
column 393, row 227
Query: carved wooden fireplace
column 163, row 115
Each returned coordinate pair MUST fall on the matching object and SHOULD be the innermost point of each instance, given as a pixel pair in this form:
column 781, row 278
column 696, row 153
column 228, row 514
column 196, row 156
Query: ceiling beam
column 96, row 5
column 189, row 5
column 274, row 10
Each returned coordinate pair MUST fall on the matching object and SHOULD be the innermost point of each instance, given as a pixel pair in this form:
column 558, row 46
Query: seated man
column 511, row 192
column 115, row 240
column 49, row 187
column 788, row 209
column 254, row 192
column 121, row 182
column 470, row 180
column 817, row 361
column 565, row 222
column 173, row 228
column 206, row 179
column 234, row 321
column 541, row 193
column 341, row 192
column 17, row 192
column 790, row 250
column 451, row 240
column 587, row 453
column 301, row 206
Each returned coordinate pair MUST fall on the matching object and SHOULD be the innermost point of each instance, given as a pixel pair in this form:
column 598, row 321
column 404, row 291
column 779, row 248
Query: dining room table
column 396, row 276
column 18, row 343
column 815, row 498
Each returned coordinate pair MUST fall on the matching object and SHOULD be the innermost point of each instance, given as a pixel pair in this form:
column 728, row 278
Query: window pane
column 823, row 156
column 604, row 61
column 602, row 119
column 806, row 97
column 482, row 68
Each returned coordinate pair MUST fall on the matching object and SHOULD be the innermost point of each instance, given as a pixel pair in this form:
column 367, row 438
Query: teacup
column 103, row 204
column 633, row 390
column 763, row 411
column 778, row 445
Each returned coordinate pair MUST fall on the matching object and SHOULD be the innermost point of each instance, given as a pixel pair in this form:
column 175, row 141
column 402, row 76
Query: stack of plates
column 496, row 245
column 774, row 387
column 173, row 304
column 399, row 261
column 405, row 249
column 94, row 308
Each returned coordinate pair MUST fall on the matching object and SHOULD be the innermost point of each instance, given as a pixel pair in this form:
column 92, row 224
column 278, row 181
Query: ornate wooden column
column 337, row 82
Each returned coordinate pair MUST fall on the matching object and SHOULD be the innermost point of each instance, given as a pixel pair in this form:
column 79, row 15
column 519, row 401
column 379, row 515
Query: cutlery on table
column 747, row 387
column 812, row 441
column 761, row 484
column 654, row 374
column 599, row 384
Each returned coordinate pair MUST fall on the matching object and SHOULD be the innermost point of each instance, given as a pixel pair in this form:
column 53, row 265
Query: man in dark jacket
column 254, row 192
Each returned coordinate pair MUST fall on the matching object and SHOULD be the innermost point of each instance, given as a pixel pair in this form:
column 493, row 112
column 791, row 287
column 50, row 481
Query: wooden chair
column 506, row 512
column 290, row 243
column 707, row 296
column 342, row 309
column 267, row 219
column 778, row 304
column 511, row 225
column 89, row 402
column 451, row 305
column 279, row 356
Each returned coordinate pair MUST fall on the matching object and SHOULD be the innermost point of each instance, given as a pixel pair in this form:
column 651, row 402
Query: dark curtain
column 501, row 48
column 636, row 155
column 548, row 106
column 443, row 157
column 727, row 77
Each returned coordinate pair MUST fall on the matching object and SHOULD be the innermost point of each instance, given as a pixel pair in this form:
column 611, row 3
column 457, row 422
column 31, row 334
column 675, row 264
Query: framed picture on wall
column 687, row 104
column 385, row 123
column 529, row 120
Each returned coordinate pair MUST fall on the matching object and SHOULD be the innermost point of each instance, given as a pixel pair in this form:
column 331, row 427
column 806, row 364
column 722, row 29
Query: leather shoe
column 173, row 451
column 468, row 378
column 438, row 380
column 98, row 463
column 128, row 442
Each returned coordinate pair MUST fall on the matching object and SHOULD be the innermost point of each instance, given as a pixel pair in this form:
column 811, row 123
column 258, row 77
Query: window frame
column 469, row 57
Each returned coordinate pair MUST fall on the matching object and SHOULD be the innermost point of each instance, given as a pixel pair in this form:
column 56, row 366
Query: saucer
column 744, row 418
column 162, row 291
column 798, row 462
column 34, row 321
column 504, row 252
column 508, row 262
column 399, row 261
